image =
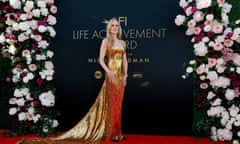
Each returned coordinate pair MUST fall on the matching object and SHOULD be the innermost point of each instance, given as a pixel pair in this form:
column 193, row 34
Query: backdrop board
column 157, row 100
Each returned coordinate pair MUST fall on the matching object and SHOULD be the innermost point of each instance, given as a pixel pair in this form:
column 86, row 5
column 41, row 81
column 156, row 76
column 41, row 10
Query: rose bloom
column 25, row 53
column 53, row 9
column 228, row 43
column 22, row 37
column 203, row 85
column 217, row 28
column 212, row 62
column 30, row 116
column 191, row 23
column 201, row 69
column 218, row 46
column 197, row 30
column 12, row 101
column 32, row 67
column 49, row 65
column 221, row 1
column 37, row 37
column 189, row 31
column 29, row 15
column 238, row 40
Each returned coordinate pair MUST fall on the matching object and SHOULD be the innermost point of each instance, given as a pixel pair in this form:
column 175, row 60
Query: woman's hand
column 112, row 76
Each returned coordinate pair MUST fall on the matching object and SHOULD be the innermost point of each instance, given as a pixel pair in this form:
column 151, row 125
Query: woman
column 103, row 120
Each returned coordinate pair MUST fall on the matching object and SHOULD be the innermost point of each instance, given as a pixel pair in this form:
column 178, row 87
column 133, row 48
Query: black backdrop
column 157, row 102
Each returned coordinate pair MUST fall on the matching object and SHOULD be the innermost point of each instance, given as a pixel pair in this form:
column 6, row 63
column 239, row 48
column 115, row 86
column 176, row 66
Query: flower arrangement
column 26, row 31
column 216, row 67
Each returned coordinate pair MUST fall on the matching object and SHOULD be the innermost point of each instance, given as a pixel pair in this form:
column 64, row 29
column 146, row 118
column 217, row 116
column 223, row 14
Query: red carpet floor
column 133, row 139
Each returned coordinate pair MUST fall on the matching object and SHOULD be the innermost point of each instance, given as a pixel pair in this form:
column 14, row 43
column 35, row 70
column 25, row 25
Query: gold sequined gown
column 103, row 120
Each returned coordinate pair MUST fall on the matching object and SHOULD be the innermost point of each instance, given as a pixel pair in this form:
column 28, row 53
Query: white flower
column 16, row 4
column 28, row 6
column 50, row 54
column 20, row 102
column 23, row 17
column 200, row 49
column 183, row 3
column 224, row 134
column 230, row 94
column 215, row 111
column 55, row 123
column 52, row 20
column 221, row 82
column 44, row 11
column 189, row 69
column 52, row 31
column 2, row 38
column 41, row 3
column 49, row 65
column 198, row 16
column 42, row 29
column 210, row 17
column 235, row 142
column 238, row 70
column 226, row 8
column 212, row 75
column 36, row 12
column 183, row 77
column 210, row 95
column 36, row 118
column 12, row 111
column 202, row 77
column 24, row 26
column 192, row 62
column 12, row 49
column 217, row 102
column 233, row 110
column 22, row 116
column 203, row 3
column 43, row 44
column 40, row 57
column 47, row 99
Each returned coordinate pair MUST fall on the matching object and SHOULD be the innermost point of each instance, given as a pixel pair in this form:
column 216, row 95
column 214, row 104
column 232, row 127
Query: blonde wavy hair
column 109, row 37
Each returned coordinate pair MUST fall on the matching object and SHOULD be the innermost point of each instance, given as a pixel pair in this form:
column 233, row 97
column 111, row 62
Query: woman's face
column 114, row 28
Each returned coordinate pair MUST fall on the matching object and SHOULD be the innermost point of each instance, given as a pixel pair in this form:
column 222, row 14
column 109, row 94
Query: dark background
column 158, row 103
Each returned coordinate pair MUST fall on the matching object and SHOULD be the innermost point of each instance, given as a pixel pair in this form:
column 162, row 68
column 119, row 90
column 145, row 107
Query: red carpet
column 133, row 139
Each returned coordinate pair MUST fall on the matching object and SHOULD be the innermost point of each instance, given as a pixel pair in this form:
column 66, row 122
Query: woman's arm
column 111, row 75
column 125, row 65
column 102, row 54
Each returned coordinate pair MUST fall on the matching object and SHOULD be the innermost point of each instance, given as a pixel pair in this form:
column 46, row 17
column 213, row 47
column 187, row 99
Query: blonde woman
column 103, row 120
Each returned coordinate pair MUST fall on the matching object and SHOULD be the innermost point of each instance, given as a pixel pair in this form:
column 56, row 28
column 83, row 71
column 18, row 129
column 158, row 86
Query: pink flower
column 200, row 69
column 238, row 40
column 228, row 43
column 37, row 37
column 30, row 116
column 203, row 85
column 29, row 15
column 194, row 9
column 25, row 53
column 32, row 67
column 197, row 30
column 217, row 28
column 218, row 46
column 212, row 62
column 8, row 79
column 12, row 37
column 53, row 9
column 220, row 1
column 191, row 24
column 22, row 37
column 12, row 101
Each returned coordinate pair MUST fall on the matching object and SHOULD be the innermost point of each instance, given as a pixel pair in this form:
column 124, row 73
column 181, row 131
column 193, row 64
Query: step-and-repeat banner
column 157, row 100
